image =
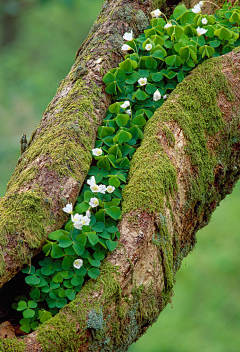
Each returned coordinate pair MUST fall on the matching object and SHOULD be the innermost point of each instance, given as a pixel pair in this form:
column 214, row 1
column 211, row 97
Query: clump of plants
column 154, row 64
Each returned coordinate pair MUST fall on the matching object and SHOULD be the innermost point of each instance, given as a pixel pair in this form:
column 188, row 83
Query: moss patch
column 12, row 345
column 61, row 332
column 193, row 105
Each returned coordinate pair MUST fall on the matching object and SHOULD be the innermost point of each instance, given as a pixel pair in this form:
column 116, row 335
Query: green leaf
column 114, row 108
column 214, row 43
column 55, row 235
column 140, row 95
column 56, row 251
column 21, row 305
column 114, row 181
column 206, row 50
column 32, row 280
column 180, row 76
column 64, row 241
column 98, row 227
column 57, row 278
column 61, row 302
column 151, row 63
column 104, row 163
column 104, row 131
column 25, row 328
column 71, row 294
column 122, row 136
column 32, row 304
column 150, row 88
column 179, row 11
column 35, row 294
column 108, row 78
column 30, row 270
column 133, row 78
column 122, row 119
column 79, row 249
column 114, row 212
column 77, row 280
column 223, row 33
column 47, row 270
column 111, row 88
column 105, row 235
column 111, row 245
column 173, row 60
column 93, row 273
column 94, row 262
column 28, row 313
column 82, row 239
column 67, row 263
column 139, row 119
column 126, row 66
column 93, row 238
column 157, row 77
column 87, row 195
column 99, row 255
column 44, row 315
column 100, row 215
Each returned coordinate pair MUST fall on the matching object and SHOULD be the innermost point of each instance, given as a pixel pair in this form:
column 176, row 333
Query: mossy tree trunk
column 52, row 169
column 188, row 161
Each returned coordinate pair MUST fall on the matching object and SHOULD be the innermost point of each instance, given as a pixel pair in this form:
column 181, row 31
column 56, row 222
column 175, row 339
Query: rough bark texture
column 52, row 169
column 189, row 161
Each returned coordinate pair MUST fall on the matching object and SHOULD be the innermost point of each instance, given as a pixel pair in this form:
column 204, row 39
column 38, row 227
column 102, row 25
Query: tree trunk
column 188, row 161
column 52, row 169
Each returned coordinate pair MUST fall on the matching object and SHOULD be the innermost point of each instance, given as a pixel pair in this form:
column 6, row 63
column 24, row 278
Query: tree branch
column 189, row 161
column 52, row 169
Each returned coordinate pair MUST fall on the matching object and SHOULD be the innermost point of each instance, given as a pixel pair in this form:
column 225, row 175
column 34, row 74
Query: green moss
column 61, row 332
column 12, row 345
column 193, row 106
column 30, row 217
column 66, row 146
column 162, row 239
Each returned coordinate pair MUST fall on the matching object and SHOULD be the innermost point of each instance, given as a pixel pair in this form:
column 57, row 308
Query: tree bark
column 52, row 169
column 188, row 161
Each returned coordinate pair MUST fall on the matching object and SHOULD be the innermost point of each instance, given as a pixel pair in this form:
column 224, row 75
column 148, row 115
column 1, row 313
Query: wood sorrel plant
column 156, row 62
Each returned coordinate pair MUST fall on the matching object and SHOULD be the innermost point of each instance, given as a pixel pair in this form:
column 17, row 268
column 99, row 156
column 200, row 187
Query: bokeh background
column 38, row 43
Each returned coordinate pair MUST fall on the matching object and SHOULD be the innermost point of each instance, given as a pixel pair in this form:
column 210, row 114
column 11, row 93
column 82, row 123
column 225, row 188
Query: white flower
column 102, row 189
column 85, row 220
column 68, row 208
column 142, row 81
column 78, row 263
column 128, row 36
column 204, row 21
column 126, row 47
column 156, row 13
column 201, row 3
column 128, row 112
column 148, row 47
column 77, row 221
column 169, row 24
column 94, row 202
column 125, row 104
column 91, row 181
column 165, row 96
column 94, row 188
column 157, row 95
column 97, row 151
column 98, row 61
column 88, row 213
column 196, row 9
column 110, row 189
column 201, row 31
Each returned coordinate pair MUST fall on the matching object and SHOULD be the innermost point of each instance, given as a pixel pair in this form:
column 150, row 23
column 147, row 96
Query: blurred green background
column 38, row 43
